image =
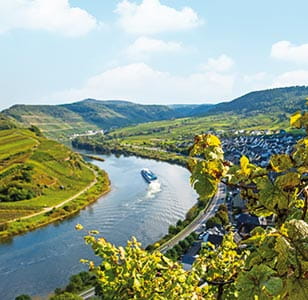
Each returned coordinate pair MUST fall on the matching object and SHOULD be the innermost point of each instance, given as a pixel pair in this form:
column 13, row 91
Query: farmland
column 38, row 174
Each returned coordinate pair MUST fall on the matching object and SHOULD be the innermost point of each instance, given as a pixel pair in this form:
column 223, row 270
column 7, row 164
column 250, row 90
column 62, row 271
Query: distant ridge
column 60, row 121
column 285, row 100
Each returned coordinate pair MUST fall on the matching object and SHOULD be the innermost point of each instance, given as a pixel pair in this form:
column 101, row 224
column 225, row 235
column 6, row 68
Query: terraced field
column 164, row 134
column 36, row 173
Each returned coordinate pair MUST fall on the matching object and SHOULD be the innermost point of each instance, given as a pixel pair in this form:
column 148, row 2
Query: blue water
column 38, row 262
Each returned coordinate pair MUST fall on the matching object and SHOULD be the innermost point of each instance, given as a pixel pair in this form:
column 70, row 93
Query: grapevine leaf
column 274, row 286
column 281, row 162
column 244, row 162
column 288, row 181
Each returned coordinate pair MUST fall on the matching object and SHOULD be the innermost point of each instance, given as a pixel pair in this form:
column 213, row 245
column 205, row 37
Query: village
column 258, row 146
column 230, row 211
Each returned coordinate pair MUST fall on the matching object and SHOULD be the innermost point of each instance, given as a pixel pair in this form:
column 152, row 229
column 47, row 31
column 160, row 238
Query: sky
column 149, row 51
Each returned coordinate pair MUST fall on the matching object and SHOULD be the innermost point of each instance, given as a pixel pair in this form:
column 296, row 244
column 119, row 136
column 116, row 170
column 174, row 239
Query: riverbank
column 69, row 207
column 94, row 157
column 127, row 150
column 38, row 262
column 194, row 213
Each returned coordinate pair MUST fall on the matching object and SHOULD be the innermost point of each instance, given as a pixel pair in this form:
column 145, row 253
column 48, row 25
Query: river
column 39, row 261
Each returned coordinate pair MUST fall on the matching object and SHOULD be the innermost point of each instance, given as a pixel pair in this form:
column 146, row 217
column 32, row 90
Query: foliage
column 66, row 296
column 219, row 268
column 6, row 123
column 78, row 283
column 36, row 130
column 125, row 272
column 278, row 262
column 275, row 262
column 211, row 222
column 181, row 248
column 221, row 217
column 23, row 297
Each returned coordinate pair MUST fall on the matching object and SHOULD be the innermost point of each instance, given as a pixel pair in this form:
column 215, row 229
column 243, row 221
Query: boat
column 148, row 175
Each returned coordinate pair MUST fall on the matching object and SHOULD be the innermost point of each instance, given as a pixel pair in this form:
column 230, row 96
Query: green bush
column 23, row 297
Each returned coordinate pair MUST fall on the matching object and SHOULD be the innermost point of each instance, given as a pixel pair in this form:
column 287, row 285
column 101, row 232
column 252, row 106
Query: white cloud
column 139, row 82
column 51, row 15
column 284, row 50
column 144, row 46
column 223, row 63
column 151, row 17
column 292, row 78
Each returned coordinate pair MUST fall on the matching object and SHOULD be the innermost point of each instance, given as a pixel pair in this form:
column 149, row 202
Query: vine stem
column 306, row 203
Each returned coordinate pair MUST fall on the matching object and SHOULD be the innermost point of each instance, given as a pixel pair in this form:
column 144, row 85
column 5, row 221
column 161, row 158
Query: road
column 196, row 225
column 88, row 294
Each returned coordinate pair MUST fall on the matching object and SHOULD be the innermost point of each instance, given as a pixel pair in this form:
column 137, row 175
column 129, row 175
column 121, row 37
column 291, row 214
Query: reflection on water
column 40, row 261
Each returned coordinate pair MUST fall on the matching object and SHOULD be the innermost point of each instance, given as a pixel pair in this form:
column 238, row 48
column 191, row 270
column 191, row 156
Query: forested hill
column 280, row 100
column 89, row 114
column 58, row 121
column 106, row 114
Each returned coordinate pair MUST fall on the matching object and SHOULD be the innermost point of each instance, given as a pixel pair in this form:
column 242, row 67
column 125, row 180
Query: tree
column 66, row 296
column 23, row 297
column 275, row 262
column 212, row 222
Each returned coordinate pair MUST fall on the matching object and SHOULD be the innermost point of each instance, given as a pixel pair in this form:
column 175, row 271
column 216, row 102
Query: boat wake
column 154, row 188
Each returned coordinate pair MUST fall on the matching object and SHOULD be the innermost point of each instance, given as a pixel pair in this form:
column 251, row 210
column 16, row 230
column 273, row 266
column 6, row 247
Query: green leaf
column 270, row 195
column 205, row 185
column 274, row 286
column 297, row 289
column 288, row 181
column 281, row 162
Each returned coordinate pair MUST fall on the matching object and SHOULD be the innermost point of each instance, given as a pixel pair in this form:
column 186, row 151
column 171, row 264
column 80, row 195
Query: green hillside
column 54, row 121
column 280, row 100
column 58, row 121
column 261, row 108
column 36, row 173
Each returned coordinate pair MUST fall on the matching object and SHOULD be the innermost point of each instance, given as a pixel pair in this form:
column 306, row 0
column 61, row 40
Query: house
column 214, row 235
column 190, row 256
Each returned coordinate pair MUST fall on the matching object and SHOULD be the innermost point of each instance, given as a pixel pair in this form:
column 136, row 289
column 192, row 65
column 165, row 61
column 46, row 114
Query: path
column 48, row 209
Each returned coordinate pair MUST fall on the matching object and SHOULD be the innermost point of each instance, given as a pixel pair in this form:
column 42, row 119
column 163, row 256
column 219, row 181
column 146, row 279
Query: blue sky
column 149, row 51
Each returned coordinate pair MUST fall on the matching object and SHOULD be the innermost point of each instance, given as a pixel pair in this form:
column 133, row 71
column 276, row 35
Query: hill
column 58, row 121
column 62, row 121
column 36, row 173
column 188, row 110
column 280, row 100
column 258, row 111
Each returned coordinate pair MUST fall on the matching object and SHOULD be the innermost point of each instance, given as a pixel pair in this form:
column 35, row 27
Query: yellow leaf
column 78, row 227
column 244, row 162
